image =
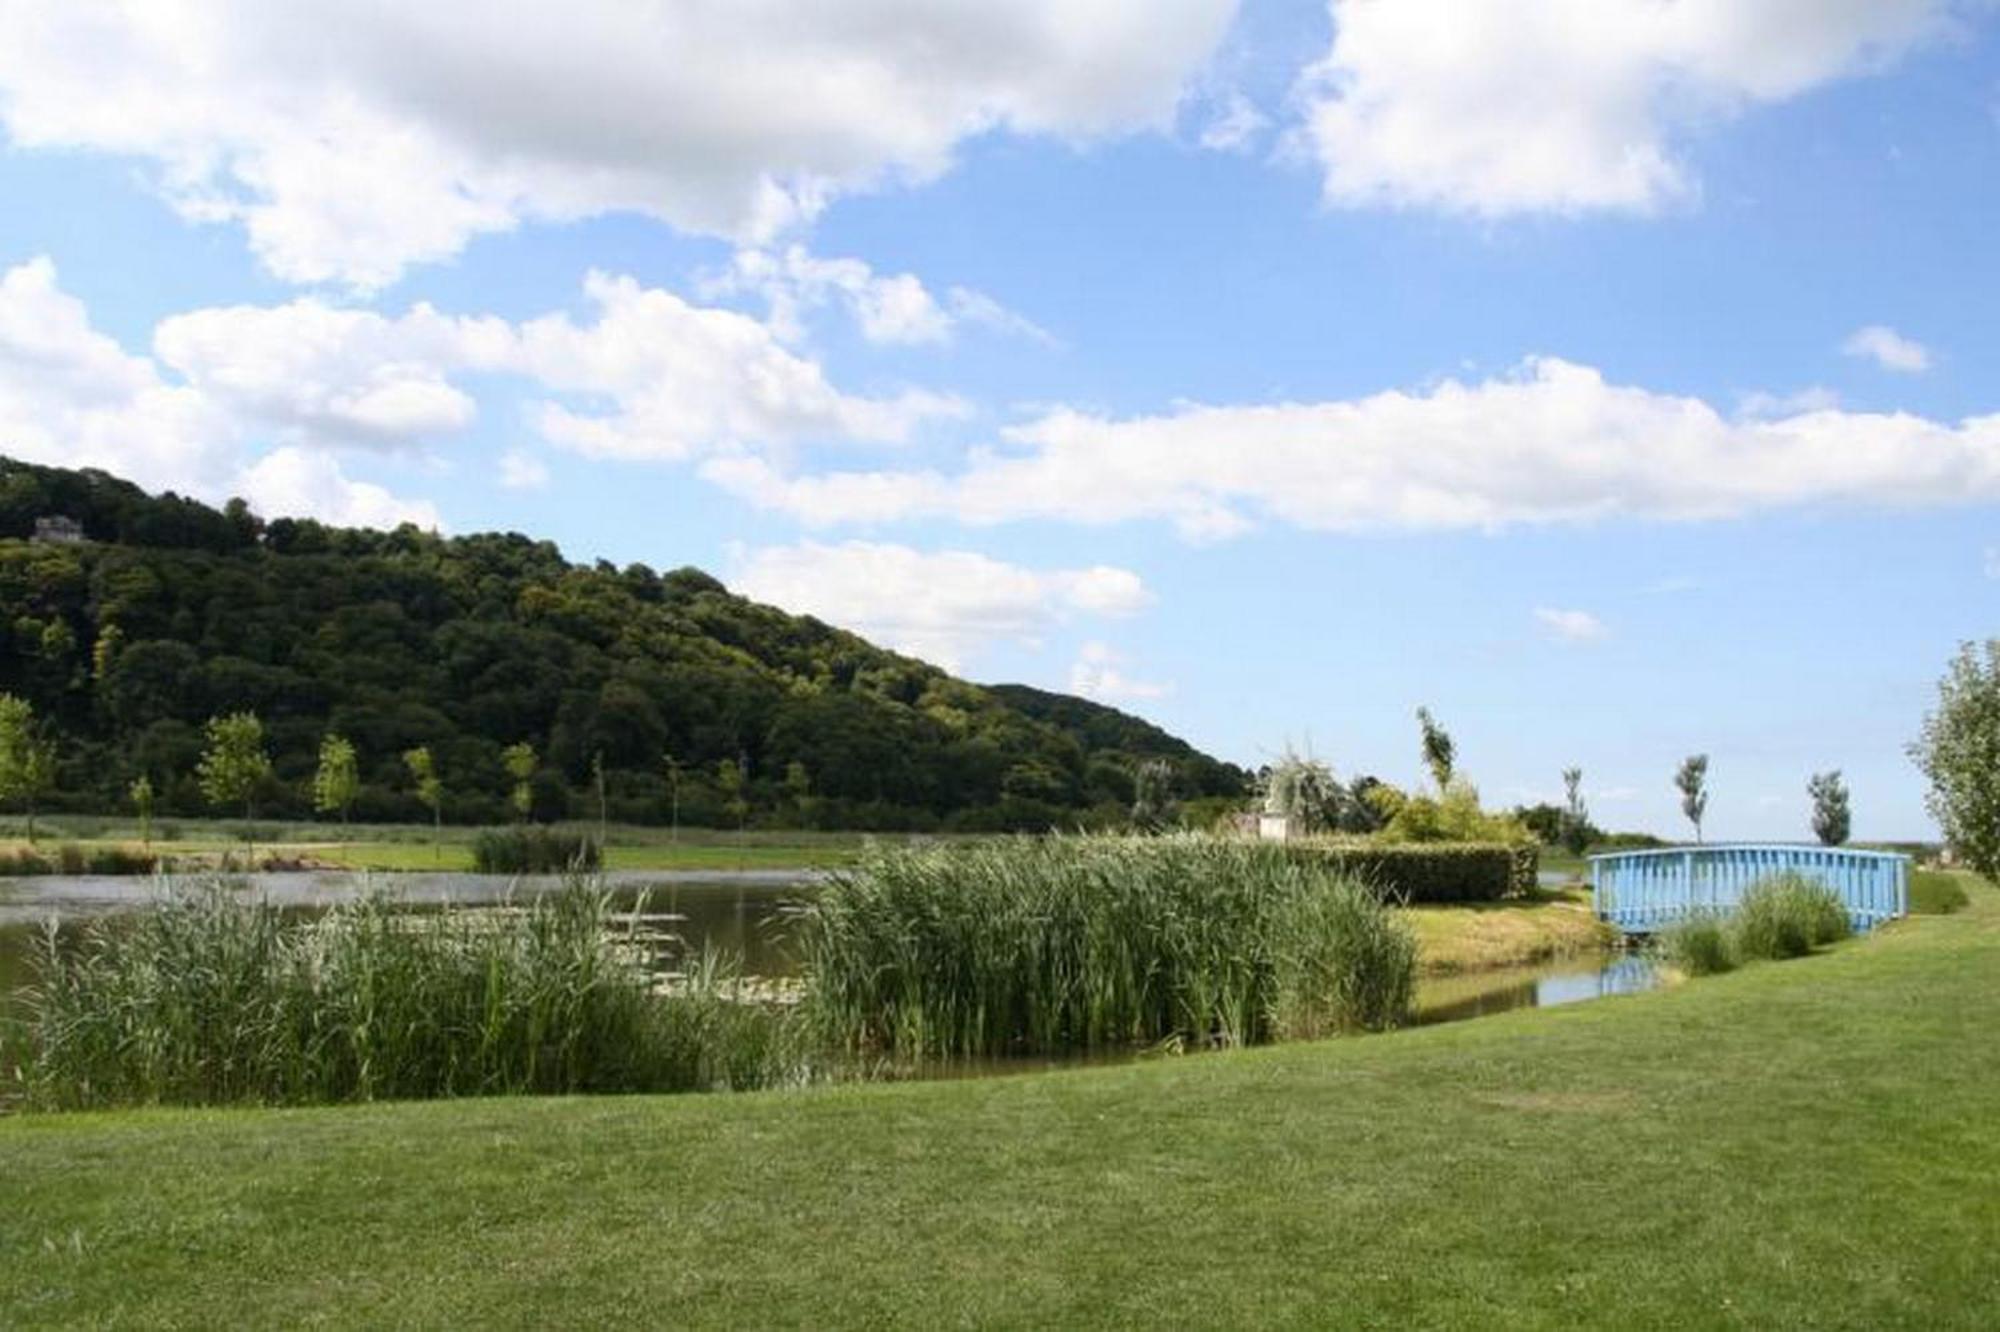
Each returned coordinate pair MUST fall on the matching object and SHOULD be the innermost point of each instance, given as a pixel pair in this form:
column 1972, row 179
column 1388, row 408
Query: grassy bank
column 195, row 844
column 1482, row 935
column 1812, row 1143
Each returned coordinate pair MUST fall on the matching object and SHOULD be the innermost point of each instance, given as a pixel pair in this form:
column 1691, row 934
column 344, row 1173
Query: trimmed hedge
column 1434, row 871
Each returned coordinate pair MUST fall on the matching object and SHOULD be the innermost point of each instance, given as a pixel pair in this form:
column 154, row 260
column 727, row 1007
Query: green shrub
column 1064, row 943
column 1699, row 946
column 1935, row 894
column 213, row 997
column 1788, row 915
column 1430, row 872
column 534, row 851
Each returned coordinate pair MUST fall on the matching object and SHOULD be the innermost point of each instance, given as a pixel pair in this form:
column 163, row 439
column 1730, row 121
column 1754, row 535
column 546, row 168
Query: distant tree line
column 534, row 688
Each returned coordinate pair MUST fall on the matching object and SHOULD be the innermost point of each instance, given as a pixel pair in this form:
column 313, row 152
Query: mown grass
column 1937, row 892
column 1802, row 1145
column 409, row 848
column 1052, row 944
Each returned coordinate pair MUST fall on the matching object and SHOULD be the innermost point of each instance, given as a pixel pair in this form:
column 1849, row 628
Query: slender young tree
column 27, row 761
column 141, row 792
column 1831, row 818
column 234, row 763
column 674, row 795
column 1154, row 808
column 1692, row 782
column 430, row 790
column 520, row 761
column 337, row 780
column 729, row 778
column 603, row 810
column 1959, row 751
column 1440, row 754
column 1576, row 814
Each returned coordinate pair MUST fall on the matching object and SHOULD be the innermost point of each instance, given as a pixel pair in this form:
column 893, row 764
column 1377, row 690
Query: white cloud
column 1494, row 107
column 293, row 480
column 1551, row 443
column 521, row 470
column 1235, row 127
column 1765, row 406
column 944, row 606
column 1099, row 673
column 683, row 378
column 648, row 376
column 893, row 308
column 1570, row 626
column 71, row 396
column 352, row 139
column 1888, row 349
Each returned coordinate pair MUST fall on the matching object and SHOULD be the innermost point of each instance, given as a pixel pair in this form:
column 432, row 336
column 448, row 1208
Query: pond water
column 740, row 912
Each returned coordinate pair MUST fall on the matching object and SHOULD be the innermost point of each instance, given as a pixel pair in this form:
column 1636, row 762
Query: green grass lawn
column 398, row 847
column 1801, row 1143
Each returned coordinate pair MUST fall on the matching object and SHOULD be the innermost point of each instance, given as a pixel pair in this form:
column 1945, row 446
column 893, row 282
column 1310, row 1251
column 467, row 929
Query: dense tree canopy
column 172, row 613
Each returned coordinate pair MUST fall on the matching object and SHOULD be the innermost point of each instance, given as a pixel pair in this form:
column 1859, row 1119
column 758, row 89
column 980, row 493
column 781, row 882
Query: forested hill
column 171, row 612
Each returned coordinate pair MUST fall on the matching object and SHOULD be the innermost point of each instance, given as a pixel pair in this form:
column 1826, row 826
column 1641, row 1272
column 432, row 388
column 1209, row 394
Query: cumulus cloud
column 1888, row 349
column 1099, row 673
column 944, row 606
column 71, row 396
column 892, row 308
column 1570, row 626
column 649, row 375
column 352, row 139
column 521, row 470
column 1550, row 443
column 1493, row 108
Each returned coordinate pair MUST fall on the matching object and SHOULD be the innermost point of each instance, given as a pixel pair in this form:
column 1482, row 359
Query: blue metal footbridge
column 1641, row 892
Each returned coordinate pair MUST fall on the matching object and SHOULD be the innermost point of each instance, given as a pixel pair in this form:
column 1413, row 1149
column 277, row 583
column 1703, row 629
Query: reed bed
column 1051, row 945
column 1781, row 916
column 215, row 997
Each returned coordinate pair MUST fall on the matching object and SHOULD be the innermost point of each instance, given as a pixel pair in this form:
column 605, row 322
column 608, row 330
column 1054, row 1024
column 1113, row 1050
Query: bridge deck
column 1644, row 891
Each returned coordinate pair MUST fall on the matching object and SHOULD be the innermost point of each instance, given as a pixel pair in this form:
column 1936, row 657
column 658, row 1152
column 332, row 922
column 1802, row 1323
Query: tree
column 1305, row 792
column 603, row 810
column 142, row 801
column 729, row 780
column 234, row 763
column 27, row 761
column 430, row 790
column 1959, row 751
column 337, row 780
column 798, row 788
column 1154, row 808
column 1691, row 780
column 1831, row 819
column 1439, row 752
column 1576, row 814
column 519, row 760
column 674, row 796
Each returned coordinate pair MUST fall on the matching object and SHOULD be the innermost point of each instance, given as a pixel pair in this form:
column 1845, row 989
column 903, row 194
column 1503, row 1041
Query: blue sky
column 1613, row 376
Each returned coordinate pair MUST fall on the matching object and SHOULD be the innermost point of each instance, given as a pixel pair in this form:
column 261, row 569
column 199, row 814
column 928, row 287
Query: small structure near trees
column 58, row 530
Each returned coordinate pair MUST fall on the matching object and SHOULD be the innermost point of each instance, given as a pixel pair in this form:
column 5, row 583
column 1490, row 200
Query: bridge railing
column 1643, row 891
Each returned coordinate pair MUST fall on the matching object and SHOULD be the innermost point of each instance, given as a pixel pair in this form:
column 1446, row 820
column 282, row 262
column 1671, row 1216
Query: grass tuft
column 1047, row 945
column 215, row 998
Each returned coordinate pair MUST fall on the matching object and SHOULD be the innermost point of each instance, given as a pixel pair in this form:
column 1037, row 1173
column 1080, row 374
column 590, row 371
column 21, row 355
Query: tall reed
column 214, row 997
column 1076, row 943
column 1788, row 915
